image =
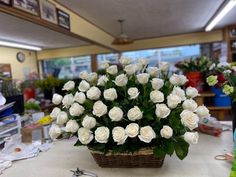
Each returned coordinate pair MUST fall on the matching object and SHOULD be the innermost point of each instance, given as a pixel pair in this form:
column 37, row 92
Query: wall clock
column 20, row 56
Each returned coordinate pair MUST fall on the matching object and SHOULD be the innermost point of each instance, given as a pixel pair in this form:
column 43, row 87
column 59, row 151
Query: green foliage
column 32, row 106
column 48, row 83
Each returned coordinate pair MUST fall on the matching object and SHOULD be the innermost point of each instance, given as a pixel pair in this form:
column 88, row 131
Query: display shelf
column 230, row 38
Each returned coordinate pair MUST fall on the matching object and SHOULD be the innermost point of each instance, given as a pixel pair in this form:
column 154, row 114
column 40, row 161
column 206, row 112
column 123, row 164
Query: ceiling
column 149, row 18
column 17, row 30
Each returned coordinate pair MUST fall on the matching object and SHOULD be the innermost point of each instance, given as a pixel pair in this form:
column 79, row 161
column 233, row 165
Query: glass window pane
column 111, row 58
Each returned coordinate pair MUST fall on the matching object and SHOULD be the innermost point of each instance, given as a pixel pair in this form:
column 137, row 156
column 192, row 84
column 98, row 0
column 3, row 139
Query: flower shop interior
column 117, row 88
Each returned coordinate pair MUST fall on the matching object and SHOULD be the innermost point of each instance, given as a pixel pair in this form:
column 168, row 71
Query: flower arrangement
column 136, row 105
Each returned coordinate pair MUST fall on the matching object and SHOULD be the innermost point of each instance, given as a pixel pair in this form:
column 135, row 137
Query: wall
column 8, row 55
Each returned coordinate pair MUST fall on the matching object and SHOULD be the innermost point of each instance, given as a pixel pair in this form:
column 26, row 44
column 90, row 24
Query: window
column 111, row 58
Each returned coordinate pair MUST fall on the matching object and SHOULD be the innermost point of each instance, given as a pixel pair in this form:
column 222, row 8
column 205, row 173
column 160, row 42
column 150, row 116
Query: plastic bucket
column 220, row 99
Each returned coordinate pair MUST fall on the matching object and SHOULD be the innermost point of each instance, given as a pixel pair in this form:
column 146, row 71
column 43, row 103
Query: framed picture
column 31, row 6
column 5, row 2
column 233, row 32
column 48, row 11
column 63, row 19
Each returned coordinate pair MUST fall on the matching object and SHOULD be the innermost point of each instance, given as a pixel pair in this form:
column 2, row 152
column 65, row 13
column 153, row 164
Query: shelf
column 8, row 130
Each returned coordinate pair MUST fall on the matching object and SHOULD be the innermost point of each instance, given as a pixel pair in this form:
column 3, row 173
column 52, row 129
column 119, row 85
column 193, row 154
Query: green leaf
column 169, row 148
column 181, row 149
column 78, row 143
column 159, row 152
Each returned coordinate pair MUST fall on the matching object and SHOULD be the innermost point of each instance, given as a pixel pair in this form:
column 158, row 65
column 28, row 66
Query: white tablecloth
column 64, row 157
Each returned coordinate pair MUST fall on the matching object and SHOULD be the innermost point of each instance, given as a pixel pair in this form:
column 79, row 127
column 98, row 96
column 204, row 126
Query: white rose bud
column 112, row 70
column 70, row 85
column 56, row 99
column 162, row 111
column 83, row 75
column 121, row 80
column 192, row 92
column 147, row 134
column 133, row 92
column 191, row 137
column 68, row 100
column 153, row 71
column 80, row 97
column 156, row 96
column 62, row 118
column 143, row 78
column 102, row 134
column 116, row 114
column 189, row 119
column 132, row 130
column 190, row 105
column 72, row 126
column 93, row 93
column 104, row 65
column 130, row 69
column 89, row 122
column 143, row 62
column 99, row 109
column 164, row 66
column 166, row 132
column 110, row 94
column 83, row 86
column 119, row 135
column 76, row 109
column 134, row 114
column 125, row 61
column 55, row 112
column 180, row 92
column 92, row 77
column 102, row 80
column 203, row 112
column 157, row 83
column 54, row 131
column 85, row 136
column 173, row 101
column 175, row 80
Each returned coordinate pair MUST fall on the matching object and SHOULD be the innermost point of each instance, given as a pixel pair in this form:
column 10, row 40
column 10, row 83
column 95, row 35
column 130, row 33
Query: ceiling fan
column 122, row 39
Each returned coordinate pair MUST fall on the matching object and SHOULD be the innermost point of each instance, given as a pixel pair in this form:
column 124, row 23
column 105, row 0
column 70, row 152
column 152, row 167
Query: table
column 64, row 157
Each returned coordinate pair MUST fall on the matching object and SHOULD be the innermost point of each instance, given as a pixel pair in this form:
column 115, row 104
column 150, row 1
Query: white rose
column 92, row 77
column 192, row 92
column 134, row 114
column 132, row 130
column 162, row 111
column 112, row 70
column 173, row 101
column 76, row 109
column 83, row 75
column 191, row 137
column 80, row 97
column 176, row 80
column 203, row 112
column 110, row 94
column 104, row 65
column 119, row 135
column 156, row 96
column 116, row 114
column 62, row 118
column 72, row 126
column 146, row 134
column 102, row 134
column 121, row 80
column 125, row 60
column 183, row 79
column 102, row 80
column 68, row 100
column 180, row 92
column 55, row 112
column 93, row 93
column 56, row 99
column 133, row 92
column 70, row 85
column 54, row 131
column 138, row 67
column 166, row 132
column 190, row 105
column 153, row 71
column 143, row 78
column 85, row 136
column 99, row 109
column 164, row 66
column 157, row 83
column 130, row 69
column 143, row 62
column 189, row 119
column 83, row 86
column 89, row 122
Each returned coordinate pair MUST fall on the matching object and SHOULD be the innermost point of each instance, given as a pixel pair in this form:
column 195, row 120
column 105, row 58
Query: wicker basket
column 142, row 159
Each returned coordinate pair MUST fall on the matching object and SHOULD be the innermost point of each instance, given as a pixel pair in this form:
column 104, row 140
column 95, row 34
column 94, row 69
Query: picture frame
column 6, row 2
column 233, row 32
column 63, row 19
column 30, row 6
column 48, row 11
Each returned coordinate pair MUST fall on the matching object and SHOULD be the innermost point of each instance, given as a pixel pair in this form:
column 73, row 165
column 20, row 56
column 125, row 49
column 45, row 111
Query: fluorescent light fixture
column 17, row 45
column 228, row 6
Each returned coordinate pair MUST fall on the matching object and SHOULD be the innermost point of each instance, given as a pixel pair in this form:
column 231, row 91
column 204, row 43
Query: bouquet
column 130, row 109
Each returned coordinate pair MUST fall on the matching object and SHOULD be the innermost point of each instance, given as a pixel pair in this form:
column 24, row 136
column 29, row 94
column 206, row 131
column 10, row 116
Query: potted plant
column 130, row 117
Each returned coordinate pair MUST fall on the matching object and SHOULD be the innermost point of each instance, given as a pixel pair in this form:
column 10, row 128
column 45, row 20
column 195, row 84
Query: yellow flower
column 212, row 80
column 228, row 89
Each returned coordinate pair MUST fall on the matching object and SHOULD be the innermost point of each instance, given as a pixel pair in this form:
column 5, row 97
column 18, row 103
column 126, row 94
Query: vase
column 141, row 159
column 195, row 80
column 29, row 93
column 220, row 99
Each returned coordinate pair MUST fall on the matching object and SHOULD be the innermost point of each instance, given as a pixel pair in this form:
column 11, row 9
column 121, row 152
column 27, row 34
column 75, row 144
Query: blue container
column 220, row 99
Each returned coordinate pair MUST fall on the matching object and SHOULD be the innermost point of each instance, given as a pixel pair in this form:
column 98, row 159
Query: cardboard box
column 32, row 132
